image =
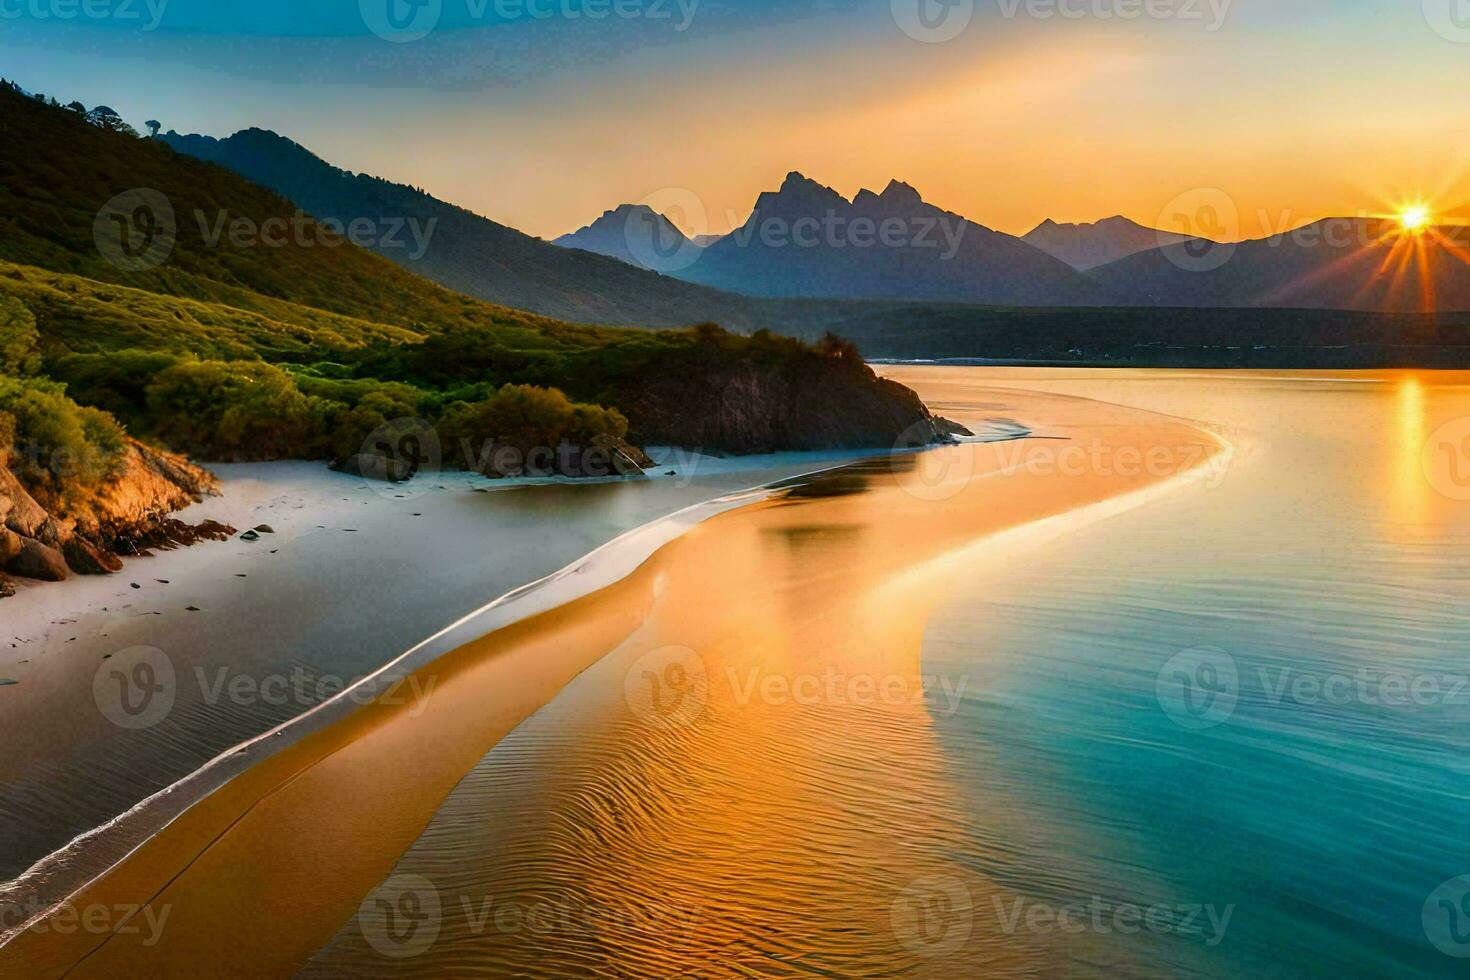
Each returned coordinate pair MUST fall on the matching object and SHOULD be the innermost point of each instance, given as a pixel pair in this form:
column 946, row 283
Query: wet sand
column 269, row 868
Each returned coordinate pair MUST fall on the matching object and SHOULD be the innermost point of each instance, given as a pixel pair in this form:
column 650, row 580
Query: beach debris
column 192, row 609
column 7, row 682
column 135, row 585
column 264, row 529
column 250, row 535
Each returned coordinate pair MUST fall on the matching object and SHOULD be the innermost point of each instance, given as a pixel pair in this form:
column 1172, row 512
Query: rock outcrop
column 739, row 407
column 48, row 539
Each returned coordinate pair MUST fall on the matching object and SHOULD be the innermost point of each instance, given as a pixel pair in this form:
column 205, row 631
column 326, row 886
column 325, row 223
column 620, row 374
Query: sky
column 1234, row 118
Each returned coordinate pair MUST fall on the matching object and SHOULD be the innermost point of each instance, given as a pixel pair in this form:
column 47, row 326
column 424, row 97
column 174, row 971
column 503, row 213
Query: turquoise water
column 1225, row 733
column 1326, row 794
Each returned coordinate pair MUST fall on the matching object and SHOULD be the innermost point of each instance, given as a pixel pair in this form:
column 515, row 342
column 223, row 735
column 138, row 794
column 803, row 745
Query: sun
column 1414, row 219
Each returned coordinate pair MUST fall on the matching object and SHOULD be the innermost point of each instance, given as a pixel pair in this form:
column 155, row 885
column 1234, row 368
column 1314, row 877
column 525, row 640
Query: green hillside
column 303, row 345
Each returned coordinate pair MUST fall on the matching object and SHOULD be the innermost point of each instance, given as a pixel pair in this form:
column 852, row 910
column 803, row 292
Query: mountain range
column 805, row 240
column 465, row 251
column 805, row 243
column 1087, row 246
column 1367, row 264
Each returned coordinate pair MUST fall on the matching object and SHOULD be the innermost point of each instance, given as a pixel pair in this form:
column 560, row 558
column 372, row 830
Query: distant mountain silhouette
column 634, row 233
column 1368, row 264
column 806, row 240
column 465, row 251
column 1086, row 246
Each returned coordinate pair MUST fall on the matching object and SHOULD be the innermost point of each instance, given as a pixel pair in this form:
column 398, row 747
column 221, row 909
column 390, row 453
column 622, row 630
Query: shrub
column 19, row 341
column 57, row 447
column 526, row 420
column 236, row 410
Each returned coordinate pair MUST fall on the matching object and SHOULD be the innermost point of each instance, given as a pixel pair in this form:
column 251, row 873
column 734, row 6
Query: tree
column 153, row 127
column 19, row 342
column 78, row 108
column 105, row 117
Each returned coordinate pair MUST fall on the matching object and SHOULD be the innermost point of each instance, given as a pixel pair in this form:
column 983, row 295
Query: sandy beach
column 376, row 775
column 241, row 626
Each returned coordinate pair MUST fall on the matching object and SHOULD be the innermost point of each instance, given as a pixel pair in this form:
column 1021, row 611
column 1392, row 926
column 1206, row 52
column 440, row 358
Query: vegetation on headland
column 300, row 345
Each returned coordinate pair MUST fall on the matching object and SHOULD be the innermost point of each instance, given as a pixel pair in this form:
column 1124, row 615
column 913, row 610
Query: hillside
column 240, row 348
column 463, row 250
column 1087, row 246
column 1365, row 264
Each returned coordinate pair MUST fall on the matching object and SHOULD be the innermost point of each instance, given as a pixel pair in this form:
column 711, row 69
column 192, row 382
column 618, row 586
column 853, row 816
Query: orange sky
column 1291, row 111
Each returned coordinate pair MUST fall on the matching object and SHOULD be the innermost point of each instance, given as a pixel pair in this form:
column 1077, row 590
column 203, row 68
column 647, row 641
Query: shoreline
column 323, row 752
column 257, row 489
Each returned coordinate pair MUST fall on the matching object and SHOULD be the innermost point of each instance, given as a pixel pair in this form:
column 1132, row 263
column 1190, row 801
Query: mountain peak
column 898, row 192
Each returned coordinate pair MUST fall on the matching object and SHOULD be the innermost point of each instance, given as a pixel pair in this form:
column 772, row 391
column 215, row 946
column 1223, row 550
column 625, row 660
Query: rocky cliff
column 128, row 514
column 826, row 401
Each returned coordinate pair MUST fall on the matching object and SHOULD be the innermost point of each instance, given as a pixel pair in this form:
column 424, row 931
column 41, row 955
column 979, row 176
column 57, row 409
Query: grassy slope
column 306, row 304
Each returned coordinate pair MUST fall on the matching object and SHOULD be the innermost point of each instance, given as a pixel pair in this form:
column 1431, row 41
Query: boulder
column 85, row 559
column 7, row 587
column 38, row 561
column 9, row 545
